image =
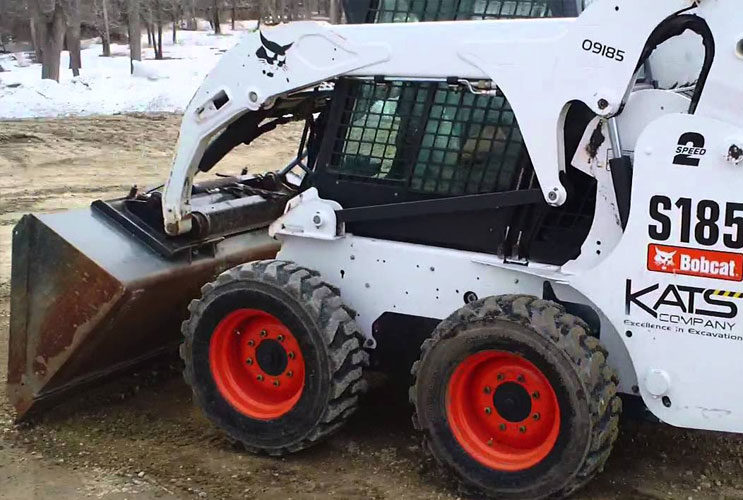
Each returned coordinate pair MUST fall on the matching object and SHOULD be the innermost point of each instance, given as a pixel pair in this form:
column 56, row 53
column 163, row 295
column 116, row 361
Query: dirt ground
column 140, row 437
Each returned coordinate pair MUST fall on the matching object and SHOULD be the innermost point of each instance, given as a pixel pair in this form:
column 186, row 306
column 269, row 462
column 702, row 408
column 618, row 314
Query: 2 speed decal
column 690, row 150
column 695, row 262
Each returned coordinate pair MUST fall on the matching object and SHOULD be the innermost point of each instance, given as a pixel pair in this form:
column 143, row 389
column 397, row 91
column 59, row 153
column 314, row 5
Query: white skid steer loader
column 521, row 197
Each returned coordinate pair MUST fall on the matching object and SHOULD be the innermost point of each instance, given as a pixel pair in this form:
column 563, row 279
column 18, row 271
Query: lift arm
column 540, row 65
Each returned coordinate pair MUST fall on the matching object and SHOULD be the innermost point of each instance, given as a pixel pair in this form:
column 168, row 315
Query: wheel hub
column 272, row 358
column 512, row 402
column 503, row 410
column 257, row 364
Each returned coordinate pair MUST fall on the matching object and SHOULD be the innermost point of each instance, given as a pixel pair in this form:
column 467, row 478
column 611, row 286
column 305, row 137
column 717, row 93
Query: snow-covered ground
column 105, row 85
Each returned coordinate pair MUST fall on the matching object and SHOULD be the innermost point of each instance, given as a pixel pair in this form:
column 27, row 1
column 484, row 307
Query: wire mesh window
column 471, row 145
column 429, row 137
column 401, row 11
column 433, row 138
column 369, row 132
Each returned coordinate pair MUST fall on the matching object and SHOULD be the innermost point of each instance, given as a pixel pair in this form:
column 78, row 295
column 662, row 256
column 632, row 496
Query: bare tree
column 106, row 38
column 34, row 37
column 157, row 12
column 72, row 36
column 215, row 18
column 175, row 9
column 50, row 20
column 135, row 32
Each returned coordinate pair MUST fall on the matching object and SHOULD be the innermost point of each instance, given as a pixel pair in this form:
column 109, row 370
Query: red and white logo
column 695, row 262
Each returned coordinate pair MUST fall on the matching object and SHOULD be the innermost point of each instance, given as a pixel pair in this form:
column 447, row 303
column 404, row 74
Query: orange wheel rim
column 257, row 364
column 503, row 411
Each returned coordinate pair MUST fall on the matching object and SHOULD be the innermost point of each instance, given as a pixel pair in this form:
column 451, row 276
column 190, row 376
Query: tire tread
column 572, row 335
column 337, row 328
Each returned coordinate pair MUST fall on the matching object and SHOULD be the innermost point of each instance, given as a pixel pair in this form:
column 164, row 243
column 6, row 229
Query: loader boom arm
column 540, row 65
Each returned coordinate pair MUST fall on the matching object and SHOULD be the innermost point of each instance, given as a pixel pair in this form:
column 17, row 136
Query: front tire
column 273, row 356
column 515, row 399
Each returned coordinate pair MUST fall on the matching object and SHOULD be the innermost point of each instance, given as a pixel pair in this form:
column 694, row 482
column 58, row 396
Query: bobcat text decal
column 695, row 262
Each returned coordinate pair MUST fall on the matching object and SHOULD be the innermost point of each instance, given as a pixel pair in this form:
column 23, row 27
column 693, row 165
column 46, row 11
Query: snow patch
column 105, row 85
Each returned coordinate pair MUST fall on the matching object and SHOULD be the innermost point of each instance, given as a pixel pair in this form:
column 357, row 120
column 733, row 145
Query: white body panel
column 699, row 353
column 689, row 346
column 663, row 279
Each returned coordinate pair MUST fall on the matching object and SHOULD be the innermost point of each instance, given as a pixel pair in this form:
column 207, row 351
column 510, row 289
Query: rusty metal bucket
column 88, row 300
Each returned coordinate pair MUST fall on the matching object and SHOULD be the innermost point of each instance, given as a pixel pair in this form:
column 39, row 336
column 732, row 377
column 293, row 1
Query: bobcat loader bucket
column 90, row 296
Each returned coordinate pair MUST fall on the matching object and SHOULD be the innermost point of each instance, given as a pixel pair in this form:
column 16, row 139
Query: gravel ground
column 140, row 437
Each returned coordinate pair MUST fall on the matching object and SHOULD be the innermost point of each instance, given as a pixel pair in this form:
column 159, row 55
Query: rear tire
column 515, row 399
column 273, row 356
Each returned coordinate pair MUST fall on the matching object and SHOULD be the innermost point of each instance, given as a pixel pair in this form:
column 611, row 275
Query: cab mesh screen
column 430, row 137
column 402, row 11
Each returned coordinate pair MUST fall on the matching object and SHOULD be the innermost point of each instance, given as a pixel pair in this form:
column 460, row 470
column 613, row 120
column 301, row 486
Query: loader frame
column 653, row 310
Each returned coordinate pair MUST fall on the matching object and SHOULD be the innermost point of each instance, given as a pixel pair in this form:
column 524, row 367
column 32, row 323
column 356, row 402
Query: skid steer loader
column 525, row 194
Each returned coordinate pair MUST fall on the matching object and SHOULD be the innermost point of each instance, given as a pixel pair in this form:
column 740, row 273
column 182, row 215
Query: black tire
column 573, row 362
column 329, row 341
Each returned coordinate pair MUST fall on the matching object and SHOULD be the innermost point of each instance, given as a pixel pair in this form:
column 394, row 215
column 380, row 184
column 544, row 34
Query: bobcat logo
column 664, row 259
column 272, row 55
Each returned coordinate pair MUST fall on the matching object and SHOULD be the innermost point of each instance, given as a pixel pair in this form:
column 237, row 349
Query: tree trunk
column 106, row 46
column 149, row 34
column 50, row 34
column 307, row 9
column 73, row 36
column 334, row 12
column 135, row 33
column 175, row 28
column 192, row 23
column 215, row 13
column 35, row 39
column 159, row 54
column 73, row 47
column 158, row 42
column 233, row 13
column 106, row 31
column 274, row 11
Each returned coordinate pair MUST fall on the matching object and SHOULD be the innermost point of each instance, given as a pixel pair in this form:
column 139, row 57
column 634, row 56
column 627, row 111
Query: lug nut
column 260, row 378
column 536, row 416
column 490, row 442
column 264, row 333
column 535, row 395
column 487, row 389
column 291, row 355
column 290, row 373
column 501, row 377
column 251, row 343
column 280, row 338
column 237, row 332
column 520, row 378
column 488, row 410
column 502, row 427
column 275, row 383
column 249, row 361
column 522, row 429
